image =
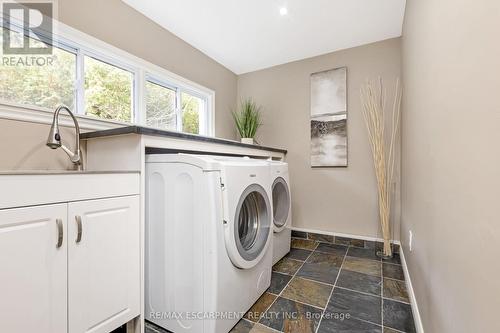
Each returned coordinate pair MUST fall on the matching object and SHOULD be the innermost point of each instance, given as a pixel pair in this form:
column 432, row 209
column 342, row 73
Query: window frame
column 82, row 44
column 80, row 79
column 166, row 85
column 179, row 89
column 195, row 94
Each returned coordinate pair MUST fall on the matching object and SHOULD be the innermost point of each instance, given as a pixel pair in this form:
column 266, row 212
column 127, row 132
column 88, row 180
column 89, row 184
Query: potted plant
column 248, row 120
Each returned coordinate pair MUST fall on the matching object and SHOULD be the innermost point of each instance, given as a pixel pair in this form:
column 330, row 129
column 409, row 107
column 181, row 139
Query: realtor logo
column 27, row 27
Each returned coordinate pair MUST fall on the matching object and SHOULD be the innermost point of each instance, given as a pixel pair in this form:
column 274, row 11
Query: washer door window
column 281, row 203
column 252, row 223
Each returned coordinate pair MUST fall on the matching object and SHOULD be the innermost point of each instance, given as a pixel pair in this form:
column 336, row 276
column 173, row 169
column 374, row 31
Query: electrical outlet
column 410, row 240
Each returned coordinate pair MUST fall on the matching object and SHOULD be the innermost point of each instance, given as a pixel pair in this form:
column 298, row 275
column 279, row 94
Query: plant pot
column 248, row 141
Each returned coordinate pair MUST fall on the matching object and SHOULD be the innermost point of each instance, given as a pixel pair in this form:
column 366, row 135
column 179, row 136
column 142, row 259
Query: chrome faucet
column 54, row 139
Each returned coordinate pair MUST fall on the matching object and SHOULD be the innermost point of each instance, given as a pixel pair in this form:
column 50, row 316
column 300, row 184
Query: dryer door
column 281, row 204
column 249, row 233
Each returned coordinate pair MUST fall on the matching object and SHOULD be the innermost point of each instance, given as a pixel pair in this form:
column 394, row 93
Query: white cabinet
column 33, row 269
column 103, row 263
column 73, row 266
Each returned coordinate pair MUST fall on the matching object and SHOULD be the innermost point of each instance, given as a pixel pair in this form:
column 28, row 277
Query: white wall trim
column 413, row 300
column 368, row 238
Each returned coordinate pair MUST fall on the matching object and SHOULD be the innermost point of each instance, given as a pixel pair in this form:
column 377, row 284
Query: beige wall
column 22, row 147
column 118, row 24
column 339, row 200
column 451, row 162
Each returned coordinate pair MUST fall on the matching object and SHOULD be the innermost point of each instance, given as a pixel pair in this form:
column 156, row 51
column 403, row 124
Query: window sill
column 41, row 115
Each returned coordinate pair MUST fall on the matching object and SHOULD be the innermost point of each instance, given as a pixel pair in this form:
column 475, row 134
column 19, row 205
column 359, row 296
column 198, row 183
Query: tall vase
column 386, row 232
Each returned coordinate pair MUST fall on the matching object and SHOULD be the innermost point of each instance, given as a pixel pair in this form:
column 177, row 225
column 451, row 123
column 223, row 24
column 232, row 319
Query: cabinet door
column 104, row 263
column 33, row 269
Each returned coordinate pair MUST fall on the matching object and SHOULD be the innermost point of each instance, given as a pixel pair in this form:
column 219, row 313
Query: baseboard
column 368, row 238
column 413, row 300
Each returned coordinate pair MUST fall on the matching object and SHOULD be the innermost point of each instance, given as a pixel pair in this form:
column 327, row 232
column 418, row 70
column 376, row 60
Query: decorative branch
column 383, row 147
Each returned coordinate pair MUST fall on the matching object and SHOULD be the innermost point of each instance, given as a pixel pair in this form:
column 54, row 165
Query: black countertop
column 171, row 134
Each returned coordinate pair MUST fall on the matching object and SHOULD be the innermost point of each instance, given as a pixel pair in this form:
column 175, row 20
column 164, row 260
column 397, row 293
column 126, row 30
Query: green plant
column 248, row 119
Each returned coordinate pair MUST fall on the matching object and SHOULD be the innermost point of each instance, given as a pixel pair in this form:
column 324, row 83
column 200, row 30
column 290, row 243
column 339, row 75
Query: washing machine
column 282, row 209
column 208, row 240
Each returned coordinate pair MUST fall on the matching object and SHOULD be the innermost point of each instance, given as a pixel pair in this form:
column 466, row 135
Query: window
column 97, row 80
column 160, row 106
column 108, row 90
column 162, row 109
column 192, row 112
column 45, row 85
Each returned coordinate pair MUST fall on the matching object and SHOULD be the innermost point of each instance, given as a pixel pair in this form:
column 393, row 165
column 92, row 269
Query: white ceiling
column 247, row 35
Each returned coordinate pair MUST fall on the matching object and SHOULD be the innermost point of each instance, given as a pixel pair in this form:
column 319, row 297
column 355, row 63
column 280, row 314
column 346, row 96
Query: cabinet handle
column 60, row 233
column 78, row 219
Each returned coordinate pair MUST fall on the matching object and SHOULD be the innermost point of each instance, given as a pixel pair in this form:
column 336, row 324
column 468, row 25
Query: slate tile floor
column 330, row 284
